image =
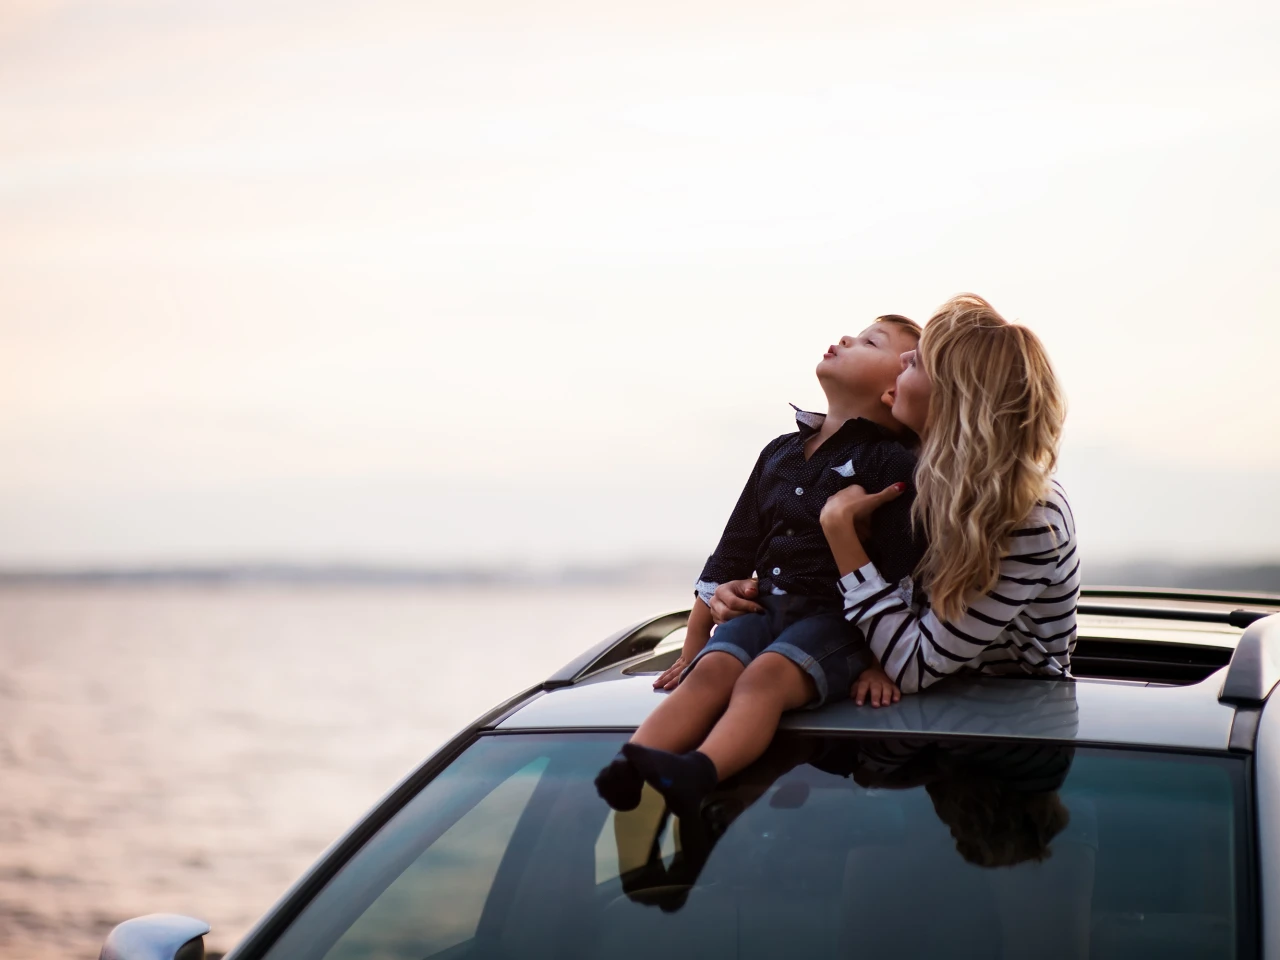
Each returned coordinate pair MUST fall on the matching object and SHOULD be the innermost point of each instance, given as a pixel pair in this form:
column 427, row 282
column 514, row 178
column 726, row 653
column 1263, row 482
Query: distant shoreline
column 349, row 575
column 1261, row 577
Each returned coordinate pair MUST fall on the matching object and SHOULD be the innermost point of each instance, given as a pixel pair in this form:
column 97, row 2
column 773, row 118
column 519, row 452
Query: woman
column 1000, row 574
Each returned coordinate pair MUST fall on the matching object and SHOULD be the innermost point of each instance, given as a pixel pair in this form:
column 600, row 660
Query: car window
column 454, row 875
column 828, row 847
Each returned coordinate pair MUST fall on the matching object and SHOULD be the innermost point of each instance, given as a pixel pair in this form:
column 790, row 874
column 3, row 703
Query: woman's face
column 911, row 397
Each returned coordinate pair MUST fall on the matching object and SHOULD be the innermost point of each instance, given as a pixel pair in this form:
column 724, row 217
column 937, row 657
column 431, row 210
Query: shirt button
column 799, row 491
column 790, row 532
column 776, row 571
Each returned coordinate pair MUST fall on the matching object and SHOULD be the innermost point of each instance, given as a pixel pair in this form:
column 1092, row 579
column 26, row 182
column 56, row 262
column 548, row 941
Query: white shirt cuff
column 861, row 584
column 705, row 590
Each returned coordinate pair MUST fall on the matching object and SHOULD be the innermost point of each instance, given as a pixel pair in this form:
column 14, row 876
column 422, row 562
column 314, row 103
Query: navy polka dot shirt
column 774, row 531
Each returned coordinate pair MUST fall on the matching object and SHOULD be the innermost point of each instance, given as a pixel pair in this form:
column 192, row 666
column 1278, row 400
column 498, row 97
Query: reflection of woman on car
column 998, row 799
column 1000, row 575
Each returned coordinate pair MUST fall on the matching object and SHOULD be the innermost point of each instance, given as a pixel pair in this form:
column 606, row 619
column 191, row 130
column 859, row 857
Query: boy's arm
column 735, row 555
column 695, row 638
column 734, row 559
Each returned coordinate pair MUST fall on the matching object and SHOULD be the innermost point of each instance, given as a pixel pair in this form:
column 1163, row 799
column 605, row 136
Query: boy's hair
column 906, row 323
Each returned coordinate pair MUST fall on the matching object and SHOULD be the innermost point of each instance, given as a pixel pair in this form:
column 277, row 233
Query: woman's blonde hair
column 990, row 445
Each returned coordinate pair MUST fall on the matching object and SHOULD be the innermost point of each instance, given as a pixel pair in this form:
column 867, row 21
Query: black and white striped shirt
column 1026, row 625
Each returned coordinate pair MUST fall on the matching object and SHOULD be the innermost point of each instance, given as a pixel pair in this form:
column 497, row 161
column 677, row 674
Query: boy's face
column 868, row 364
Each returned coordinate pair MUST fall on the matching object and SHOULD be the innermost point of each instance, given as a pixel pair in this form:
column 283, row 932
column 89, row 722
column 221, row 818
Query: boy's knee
column 716, row 669
column 769, row 673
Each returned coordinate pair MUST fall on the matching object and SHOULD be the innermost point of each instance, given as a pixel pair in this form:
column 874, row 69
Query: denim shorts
column 812, row 634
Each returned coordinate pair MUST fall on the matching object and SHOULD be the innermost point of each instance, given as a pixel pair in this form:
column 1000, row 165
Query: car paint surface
column 1087, row 711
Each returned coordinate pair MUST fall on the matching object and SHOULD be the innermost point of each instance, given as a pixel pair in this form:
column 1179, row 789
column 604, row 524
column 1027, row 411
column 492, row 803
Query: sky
column 414, row 282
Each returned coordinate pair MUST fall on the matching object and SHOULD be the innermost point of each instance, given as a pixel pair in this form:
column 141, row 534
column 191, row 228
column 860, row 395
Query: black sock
column 619, row 785
column 682, row 778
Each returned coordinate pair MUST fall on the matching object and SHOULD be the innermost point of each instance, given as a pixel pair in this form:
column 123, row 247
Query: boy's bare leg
column 769, row 687
column 679, row 723
column 686, row 714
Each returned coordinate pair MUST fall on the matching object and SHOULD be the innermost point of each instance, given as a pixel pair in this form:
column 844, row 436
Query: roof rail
column 643, row 636
column 634, row 640
column 1189, row 596
column 1234, row 618
column 1255, row 665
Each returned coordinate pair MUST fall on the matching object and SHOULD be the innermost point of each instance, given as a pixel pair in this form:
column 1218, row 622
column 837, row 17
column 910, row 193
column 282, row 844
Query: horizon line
column 634, row 571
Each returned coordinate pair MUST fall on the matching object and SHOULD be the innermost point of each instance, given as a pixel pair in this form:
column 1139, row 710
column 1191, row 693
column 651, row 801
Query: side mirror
column 157, row 936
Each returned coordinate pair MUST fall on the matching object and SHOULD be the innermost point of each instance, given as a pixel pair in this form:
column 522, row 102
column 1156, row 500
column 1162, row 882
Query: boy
column 774, row 531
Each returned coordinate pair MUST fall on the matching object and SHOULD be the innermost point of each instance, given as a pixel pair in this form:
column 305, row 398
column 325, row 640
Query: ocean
column 193, row 749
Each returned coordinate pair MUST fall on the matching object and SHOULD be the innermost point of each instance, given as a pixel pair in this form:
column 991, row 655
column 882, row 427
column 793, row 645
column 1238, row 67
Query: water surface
column 192, row 750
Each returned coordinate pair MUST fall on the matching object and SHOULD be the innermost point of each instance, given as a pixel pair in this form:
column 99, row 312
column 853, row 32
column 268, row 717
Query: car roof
column 1086, row 711
column 610, row 687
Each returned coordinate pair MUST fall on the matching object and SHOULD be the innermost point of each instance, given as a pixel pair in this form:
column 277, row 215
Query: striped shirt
column 1026, row 625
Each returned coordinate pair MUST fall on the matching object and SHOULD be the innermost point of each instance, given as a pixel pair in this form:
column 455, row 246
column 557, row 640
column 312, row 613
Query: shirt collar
column 809, row 423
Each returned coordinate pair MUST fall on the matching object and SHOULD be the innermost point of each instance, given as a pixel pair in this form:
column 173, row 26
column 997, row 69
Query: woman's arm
column 733, row 599
column 844, row 515
column 917, row 650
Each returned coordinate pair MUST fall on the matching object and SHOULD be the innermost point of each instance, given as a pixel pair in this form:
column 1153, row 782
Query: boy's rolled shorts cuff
column 828, row 648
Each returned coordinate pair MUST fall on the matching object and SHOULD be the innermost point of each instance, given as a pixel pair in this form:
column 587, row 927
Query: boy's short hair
column 906, row 323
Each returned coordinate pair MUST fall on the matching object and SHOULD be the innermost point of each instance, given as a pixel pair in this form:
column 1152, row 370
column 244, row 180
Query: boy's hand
column 733, row 599
column 854, row 506
column 670, row 678
column 874, row 684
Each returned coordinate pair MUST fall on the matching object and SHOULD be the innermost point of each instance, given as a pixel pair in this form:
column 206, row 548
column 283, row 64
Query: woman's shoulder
column 1048, row 527
column 1055, row 509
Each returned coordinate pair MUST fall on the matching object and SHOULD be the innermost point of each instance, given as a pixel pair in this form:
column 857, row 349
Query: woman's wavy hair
column 989, row 449
column 994, row 824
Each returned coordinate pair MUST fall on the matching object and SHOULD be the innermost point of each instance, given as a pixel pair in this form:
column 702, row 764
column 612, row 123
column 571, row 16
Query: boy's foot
column 619, row 785
column 682, row 778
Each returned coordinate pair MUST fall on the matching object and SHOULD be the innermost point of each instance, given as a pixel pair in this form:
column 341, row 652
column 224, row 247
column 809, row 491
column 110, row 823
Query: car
column 1132, row 811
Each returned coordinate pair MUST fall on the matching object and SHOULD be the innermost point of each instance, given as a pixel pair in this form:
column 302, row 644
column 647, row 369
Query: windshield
column 828, row 847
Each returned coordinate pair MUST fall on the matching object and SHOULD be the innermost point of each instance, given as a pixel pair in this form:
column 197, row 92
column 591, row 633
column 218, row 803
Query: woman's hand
column 853, row 507
column 670, row 677
column 874, row 684
column 733, row 599
column 845, row 519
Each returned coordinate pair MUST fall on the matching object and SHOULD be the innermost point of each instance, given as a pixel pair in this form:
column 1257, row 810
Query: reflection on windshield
column 894, row 845
column 998, row 799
